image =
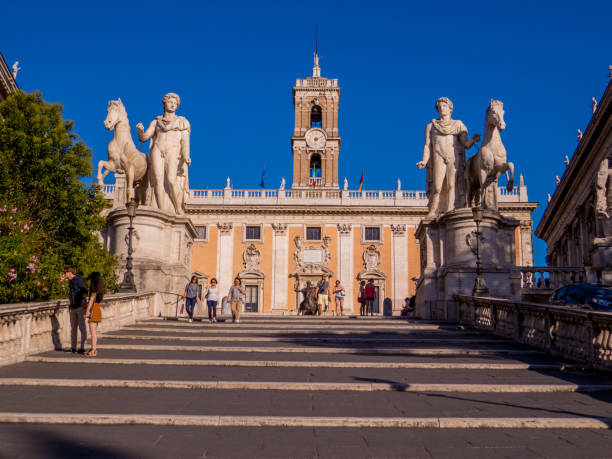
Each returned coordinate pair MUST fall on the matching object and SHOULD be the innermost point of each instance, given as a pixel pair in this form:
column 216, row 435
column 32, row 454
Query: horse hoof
column 510, row 187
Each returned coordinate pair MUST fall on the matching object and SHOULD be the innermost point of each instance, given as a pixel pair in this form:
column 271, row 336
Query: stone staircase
column 303, row 387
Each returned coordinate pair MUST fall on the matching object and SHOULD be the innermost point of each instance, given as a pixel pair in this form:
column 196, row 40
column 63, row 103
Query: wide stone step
column 160, row 441
column 382, row 340
column 307, row 421
column 212, row 402
column 194, row 354
column 296, row 375
column 322, row 348
column 375, row 385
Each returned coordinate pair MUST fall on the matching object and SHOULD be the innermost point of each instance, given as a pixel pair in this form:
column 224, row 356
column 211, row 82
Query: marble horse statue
column 485, row 167
column 123, row 156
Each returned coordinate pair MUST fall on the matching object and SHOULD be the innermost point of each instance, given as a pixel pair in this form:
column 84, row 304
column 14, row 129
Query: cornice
column 583, row 161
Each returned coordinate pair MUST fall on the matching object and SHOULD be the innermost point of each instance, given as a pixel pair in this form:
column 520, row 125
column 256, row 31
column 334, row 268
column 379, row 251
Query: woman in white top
column 212, row 298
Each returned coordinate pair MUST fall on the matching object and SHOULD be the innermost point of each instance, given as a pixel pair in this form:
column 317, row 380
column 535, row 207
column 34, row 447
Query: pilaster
column 400, row 266
column 280, row 267
column 225, row 256
column 345, row 264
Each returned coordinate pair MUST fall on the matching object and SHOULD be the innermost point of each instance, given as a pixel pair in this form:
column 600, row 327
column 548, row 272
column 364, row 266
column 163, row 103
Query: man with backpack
column 78, row 303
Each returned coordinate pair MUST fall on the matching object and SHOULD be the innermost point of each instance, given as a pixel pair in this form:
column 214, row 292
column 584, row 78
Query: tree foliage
column 48, row 216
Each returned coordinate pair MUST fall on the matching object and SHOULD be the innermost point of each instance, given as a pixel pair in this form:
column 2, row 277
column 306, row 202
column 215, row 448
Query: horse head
column 115, row 113
column 495, row 114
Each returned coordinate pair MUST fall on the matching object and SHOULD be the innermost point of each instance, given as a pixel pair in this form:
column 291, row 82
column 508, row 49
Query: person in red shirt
column 370, row 294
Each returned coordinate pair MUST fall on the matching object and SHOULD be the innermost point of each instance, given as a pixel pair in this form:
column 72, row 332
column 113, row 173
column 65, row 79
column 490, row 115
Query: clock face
column 316, row 138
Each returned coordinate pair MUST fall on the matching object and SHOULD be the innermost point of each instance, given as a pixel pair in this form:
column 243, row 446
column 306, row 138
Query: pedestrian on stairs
column 361, row 298
column 370, row 295
column 191, row 296
column 212, row 298
column 93, row 311
column 78, row 304
column 236, row 297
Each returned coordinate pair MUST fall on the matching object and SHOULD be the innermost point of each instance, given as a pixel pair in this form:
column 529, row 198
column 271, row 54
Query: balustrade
column 548, row 278
column 573, row 333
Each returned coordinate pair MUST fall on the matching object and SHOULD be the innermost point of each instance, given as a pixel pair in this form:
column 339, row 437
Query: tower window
column 315, row 166
column 315, row 116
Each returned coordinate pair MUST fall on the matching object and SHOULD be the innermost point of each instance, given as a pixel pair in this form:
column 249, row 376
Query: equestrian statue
column 485, row 167
column 123, row 156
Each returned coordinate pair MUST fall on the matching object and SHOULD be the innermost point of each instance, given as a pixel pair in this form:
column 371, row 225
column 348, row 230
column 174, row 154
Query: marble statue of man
column 444, row 156
column 168, row 153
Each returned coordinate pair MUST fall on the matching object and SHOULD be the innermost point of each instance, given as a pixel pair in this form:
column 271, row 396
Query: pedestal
column 162, row 248
column 448, row 260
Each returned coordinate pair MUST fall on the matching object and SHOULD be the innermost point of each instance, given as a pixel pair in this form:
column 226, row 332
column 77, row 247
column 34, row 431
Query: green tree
column 48, row 216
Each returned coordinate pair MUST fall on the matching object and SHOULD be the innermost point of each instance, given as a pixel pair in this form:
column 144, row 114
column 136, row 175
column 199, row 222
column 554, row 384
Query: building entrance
column 252, row 298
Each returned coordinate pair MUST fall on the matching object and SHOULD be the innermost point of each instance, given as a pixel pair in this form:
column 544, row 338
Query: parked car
column 587, row 295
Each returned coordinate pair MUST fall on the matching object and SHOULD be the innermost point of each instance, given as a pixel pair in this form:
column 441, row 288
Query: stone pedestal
column 448, row 260
column 162, row 247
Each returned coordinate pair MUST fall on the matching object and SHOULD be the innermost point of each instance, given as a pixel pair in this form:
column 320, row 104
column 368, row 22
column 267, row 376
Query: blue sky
column 234, row 64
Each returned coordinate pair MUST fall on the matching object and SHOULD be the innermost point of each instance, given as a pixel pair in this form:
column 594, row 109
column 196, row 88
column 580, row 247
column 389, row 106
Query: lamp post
column 480, row 287
column 128, row 284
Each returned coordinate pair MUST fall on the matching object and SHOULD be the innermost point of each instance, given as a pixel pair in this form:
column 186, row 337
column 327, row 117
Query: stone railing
column 573, row 333
column 545, row 278
column 314, row 196
column 30, row 328
column 108, row 191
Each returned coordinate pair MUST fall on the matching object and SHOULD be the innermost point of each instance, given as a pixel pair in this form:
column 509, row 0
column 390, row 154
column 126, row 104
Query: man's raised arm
column 143, row 135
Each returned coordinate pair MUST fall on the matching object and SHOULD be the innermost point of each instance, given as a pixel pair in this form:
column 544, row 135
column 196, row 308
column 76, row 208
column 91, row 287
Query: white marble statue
column 227, row 183
column 579, row 135
column 446, row 140
column 593, row 104
column 567, row 160
column 345, row 184
column 123, row 156
column 603, row 187
column 557, row 179
column 548, row 198
column 521, row 180
column 485, row 167
column 399, row 184
column 282, row 184
column 168, row 154
column 16, row 69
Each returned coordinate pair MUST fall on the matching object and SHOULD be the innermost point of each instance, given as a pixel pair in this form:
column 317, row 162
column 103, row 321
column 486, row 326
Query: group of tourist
column 84, row 304
column 367, row 295
column 194, row 293
column 323, row 297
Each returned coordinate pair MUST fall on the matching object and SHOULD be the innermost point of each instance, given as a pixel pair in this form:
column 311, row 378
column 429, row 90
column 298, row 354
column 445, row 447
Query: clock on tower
column 315, row 142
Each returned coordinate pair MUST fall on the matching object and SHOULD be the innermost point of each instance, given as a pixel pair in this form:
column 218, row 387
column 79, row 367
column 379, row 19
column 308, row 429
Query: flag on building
column 263, row 176
column 314, row 180
column 361, row 181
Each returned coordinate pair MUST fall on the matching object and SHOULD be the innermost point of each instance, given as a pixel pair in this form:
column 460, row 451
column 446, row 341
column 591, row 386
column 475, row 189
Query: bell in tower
column 315, row 141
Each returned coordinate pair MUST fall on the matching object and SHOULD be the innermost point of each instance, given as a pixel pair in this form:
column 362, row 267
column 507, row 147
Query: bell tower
column 315, row 142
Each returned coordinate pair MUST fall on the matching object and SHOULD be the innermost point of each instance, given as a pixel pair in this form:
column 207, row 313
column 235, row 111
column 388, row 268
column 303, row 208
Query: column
column 225, row 258
column 525, row 241
column 345, row 264
column 399, row 282
column 280, row 267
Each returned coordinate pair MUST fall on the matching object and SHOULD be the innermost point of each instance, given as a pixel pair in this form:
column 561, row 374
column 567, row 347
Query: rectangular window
column 313, row 233
column 253, row 233
column 201, row 232
column 372, row 233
